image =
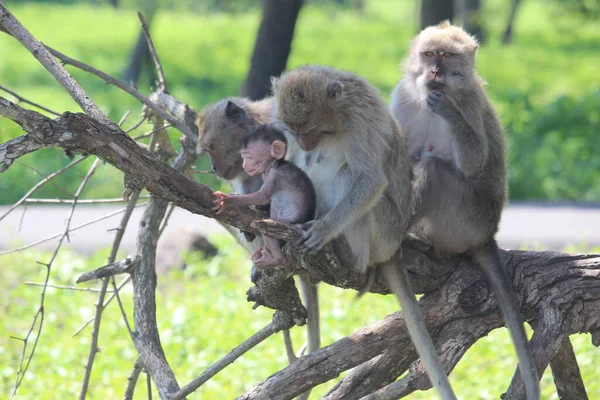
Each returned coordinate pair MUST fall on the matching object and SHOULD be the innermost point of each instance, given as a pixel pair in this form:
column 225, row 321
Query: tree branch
column 37, row 49
column 463, row 305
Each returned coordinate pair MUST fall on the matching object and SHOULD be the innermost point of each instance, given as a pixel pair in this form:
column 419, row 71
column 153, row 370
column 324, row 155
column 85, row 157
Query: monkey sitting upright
column 458, row 153
column 287, row 189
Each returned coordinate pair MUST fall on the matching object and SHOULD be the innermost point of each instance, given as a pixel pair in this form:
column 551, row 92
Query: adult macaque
column 287, row 190
column 355, row 154
column 458, row 153
column 222, row 127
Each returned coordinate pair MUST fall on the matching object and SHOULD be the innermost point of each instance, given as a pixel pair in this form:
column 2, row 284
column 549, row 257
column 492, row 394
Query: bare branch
column 132, row 379
column 40, row 183
column 86, row 201
column 278, row 323
column 26, row 361
column 161, row 76
column 106, row 303
column 24, row 100
column 130, row 264
column 566, row 373
column 120, row 267
column 17, row 30
column 76, row 289
column 90, row 222
column 463, row 299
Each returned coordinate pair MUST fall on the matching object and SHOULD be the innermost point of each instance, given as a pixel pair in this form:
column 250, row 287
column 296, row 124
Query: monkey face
column 256, row 157
column 306, row 100
column 222, row 127
column 442, row 58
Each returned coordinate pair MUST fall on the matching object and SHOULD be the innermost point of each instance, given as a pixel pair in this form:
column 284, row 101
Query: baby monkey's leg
column 271, row 255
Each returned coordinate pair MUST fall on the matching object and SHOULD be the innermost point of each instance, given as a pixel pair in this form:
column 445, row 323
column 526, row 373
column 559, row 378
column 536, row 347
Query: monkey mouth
column 226, row 175
column 307, row 146
column 435, row 85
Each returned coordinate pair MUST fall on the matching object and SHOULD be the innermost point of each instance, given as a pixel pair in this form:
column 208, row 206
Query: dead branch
column 37, row 49
column 154, row 54
column 279, row 322
column 24, row 100
column 120, row 267
column 567, row 376
column 552, row 287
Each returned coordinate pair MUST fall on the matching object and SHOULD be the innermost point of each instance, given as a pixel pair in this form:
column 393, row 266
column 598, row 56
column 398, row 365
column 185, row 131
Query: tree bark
column 507, row 37
column 470, row 16
column 272, row 47
column 435, row 11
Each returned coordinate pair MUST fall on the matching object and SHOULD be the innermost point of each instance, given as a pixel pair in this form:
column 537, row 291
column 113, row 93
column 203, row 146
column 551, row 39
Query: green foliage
column 202, row 315
column 544, row 85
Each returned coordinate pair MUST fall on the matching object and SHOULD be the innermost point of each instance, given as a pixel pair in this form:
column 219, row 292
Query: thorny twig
column 154, row 54
column 74, row 288
column 40, row 184
column 24, row 365
column 133, row 378
column 24, row 100
column 87, row 223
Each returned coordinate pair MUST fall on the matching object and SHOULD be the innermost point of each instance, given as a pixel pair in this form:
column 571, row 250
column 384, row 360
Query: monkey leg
column 271, row 255
column 397, row 279
column 451, row 213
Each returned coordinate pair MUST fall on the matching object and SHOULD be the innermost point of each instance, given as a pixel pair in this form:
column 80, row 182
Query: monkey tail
column 371, row 275
column 398, row 283
column 488, row 260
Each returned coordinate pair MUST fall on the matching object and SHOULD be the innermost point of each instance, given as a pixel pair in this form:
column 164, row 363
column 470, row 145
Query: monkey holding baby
column 288, row 191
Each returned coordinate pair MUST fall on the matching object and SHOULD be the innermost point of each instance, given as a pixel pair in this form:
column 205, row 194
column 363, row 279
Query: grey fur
column 458, row 152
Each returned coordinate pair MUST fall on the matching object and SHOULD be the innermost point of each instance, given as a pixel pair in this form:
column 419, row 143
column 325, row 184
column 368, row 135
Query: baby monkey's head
column 261, row 148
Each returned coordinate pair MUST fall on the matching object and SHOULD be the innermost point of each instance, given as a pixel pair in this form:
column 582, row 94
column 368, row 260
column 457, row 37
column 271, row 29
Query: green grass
column 202, row 315
column 545, row 86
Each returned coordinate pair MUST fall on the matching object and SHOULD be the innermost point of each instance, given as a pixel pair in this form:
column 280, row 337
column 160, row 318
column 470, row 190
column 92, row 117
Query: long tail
column 488, row 260
column 310, row 294
column 415, row 322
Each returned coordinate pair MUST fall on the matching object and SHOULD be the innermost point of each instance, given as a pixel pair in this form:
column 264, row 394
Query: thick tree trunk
column 273, row 46
column 507, row 37
column 435, row 11
column 469, row 12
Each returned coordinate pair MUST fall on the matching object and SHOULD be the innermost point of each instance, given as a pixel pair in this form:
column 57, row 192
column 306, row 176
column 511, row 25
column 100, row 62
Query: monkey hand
column 435, row 100
column 220, row 201
column 316, row 236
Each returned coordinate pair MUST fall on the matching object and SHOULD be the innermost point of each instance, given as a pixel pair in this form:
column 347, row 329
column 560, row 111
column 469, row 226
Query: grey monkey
column 458, row 153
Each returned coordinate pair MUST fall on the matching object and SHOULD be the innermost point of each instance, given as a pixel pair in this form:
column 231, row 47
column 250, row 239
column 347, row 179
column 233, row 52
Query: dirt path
column 537, row 226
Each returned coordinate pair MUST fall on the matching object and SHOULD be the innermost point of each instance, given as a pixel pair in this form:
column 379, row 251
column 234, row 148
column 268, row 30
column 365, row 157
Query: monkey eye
column 429, row 53
column 446, row 54
column 211, row 147
column 327, row 133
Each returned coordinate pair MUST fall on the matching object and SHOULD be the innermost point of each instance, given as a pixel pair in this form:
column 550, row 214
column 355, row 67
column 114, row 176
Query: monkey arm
column 470, row 149
column 363, row 195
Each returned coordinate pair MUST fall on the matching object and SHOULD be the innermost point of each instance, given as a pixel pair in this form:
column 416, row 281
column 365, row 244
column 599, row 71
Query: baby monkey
column 286, row 188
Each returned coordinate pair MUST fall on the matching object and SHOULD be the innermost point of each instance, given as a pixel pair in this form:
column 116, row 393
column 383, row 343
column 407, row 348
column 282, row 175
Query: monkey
column 222, row 127
column 354, row 151
column 286, row 188
column 458, row 153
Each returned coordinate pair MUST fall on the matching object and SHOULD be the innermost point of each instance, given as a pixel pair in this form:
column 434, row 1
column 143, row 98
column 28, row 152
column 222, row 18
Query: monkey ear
column 235, row 113
column 274, row 83
column 278, row 149
column 335, row 89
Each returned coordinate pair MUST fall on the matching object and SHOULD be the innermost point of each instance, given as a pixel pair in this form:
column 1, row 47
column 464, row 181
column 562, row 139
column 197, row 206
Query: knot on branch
column 120, row 267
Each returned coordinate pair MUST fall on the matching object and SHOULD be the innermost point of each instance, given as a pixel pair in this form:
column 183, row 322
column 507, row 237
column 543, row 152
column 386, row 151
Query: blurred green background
column 544, row 85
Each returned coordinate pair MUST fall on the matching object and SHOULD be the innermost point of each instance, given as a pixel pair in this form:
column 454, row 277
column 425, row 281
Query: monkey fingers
column 256, row 254
column 435, row 98
column 314, row 238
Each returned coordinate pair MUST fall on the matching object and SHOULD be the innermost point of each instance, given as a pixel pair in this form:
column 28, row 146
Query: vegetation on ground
column 202, row 315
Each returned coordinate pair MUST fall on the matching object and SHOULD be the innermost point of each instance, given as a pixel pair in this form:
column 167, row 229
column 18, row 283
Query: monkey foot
column 268, row 260
column 256, row 254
